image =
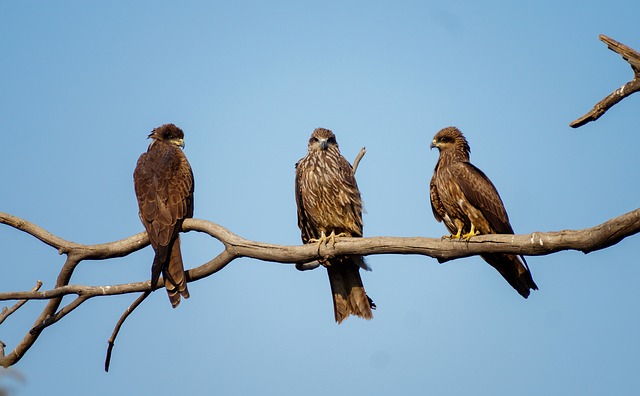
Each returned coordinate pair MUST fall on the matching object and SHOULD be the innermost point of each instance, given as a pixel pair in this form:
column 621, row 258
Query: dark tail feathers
column 349, row 296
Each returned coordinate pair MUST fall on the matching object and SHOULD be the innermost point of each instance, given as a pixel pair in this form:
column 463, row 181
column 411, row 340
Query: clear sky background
column 82, row 84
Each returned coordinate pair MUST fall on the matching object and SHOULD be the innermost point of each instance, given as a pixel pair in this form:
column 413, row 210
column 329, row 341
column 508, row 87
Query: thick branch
column 537, row 243
column 631, row 56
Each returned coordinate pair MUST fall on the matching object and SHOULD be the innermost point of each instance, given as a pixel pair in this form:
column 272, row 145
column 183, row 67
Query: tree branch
column 537, row 243
column 356, row 161
column 116, row 330
column 633, row 58
column 8, row 311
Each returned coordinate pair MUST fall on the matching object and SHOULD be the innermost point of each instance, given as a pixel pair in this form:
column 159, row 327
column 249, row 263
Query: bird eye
column 314, row 139
column 331, row 139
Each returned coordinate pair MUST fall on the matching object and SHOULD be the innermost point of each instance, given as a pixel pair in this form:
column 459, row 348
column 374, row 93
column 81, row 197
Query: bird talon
column 456, row 236
column 472, row 232
column 332, row 237
column 323, row 239
column 468, row 236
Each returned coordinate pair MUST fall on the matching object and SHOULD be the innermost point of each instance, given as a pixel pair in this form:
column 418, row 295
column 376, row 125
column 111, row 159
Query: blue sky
column 83, row 83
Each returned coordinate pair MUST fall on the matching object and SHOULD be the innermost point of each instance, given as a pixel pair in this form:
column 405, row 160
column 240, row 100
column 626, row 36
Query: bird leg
column 471, row 233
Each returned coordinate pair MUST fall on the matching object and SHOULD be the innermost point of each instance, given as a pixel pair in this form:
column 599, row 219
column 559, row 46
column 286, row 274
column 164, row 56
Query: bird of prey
column 164, row 185
column 465, row 199
column 329, row 206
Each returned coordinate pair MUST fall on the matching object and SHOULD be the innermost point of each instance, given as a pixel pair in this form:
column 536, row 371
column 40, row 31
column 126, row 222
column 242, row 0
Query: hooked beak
column 179, row 142
column 432, row 145
column 324, row 144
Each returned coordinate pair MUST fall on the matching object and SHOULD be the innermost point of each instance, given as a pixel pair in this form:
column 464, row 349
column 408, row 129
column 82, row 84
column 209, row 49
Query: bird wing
column 483, row 195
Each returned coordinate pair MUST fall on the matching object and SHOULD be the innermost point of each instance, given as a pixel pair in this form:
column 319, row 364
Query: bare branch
column 631, row 56
column 356, row 161
column 537, row 243
column 58, row 315
column 8, row 311
column 116, row 330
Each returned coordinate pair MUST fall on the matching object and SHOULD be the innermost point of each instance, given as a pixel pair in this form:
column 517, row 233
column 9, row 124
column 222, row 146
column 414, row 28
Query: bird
column 164, row 185
column 330, row 206
column 468, row 203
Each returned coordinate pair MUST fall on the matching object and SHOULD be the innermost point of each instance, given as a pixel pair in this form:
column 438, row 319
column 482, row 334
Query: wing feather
column 306, row 229
column 483, row 195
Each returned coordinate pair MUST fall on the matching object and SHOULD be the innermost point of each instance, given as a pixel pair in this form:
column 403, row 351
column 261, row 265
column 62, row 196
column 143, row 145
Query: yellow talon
column 471, row 233
column 457, row 236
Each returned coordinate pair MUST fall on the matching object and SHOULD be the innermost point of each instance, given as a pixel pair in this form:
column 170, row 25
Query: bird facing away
column 164, row 185
column 329, row 205
column 465, row 199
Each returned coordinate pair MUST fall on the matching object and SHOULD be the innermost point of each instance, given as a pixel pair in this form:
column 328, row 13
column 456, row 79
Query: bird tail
column 513, row 270
column 175, row 280
column 168, row 261
column 349, row 296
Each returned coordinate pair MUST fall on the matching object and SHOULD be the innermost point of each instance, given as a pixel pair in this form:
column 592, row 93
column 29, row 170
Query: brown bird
column 164, row 186
column 329, row 206
column 465, row 199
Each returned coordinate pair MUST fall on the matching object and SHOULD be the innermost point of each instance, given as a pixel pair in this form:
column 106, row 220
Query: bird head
column 321, row 139
column 450, row 138
column 168, row 133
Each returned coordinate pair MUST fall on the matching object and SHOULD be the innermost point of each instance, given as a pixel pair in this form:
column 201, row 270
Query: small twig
column 116, row 330
column 356, row 161
column 58, row 315
column 8, row 311
column 631, row 56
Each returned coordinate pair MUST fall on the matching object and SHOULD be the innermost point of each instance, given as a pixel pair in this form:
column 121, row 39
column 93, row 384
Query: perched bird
column 164, row 185
column 465, row 199
column 329, row 206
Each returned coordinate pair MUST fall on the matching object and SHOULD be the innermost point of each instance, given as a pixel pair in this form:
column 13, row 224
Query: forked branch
column 631, row 56
column 537, row 243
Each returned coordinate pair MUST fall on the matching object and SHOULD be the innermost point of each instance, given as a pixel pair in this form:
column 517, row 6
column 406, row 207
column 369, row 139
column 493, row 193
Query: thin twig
column 8, row 311
column 356, row 161
column 59, row 315
column 116, row 330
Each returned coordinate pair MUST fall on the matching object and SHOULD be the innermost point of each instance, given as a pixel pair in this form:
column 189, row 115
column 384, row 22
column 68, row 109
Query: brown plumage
column 465, row 199
column 329, row 204
column 164, row 185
